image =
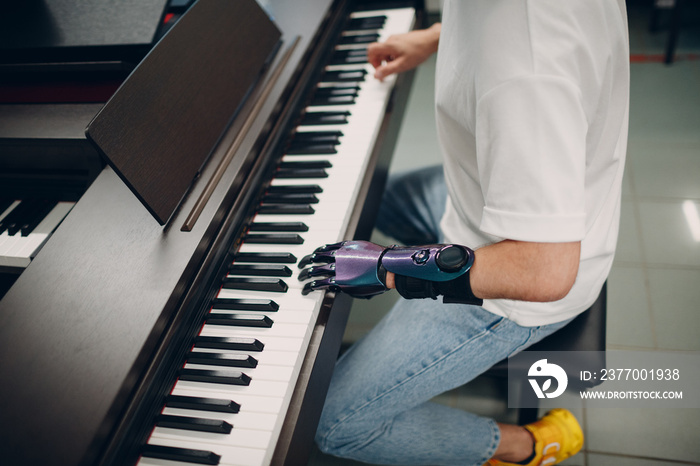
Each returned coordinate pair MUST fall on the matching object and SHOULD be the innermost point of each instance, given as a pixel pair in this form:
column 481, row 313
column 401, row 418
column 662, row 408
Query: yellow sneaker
column 557, row 437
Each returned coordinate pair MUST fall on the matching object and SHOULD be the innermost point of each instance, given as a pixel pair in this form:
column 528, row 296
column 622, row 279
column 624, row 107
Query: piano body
column 129, row 342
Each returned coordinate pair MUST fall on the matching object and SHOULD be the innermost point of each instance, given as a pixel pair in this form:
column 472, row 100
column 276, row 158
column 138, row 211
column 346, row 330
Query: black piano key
column 311, row 149
column 31, row 222
column 301, row 198
column 320, row 100
column 367, row 27
column 221, row 376
column 274, row 285
column 246, row 304
column 240, row 320
column 344, row 76
column 353, row 39
column 305, row 165
column 349, row 57
column 349, row 91
column 193, row 423
column 202, row 404
column 295, row 189
column 362, row 22
column 266, row 257
column 286, row 209
column 281, row 226
column 338, row 90
column 273, row 238
column 265, row 270
column 325, row 118
column 186, row 455
column 293, row 198
column 329, row 137
column 301, row 173
column 366, row 18
column 229, row 343
column 220, row 359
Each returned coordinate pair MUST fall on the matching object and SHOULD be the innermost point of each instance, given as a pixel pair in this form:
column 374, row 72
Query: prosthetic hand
column 359, row 268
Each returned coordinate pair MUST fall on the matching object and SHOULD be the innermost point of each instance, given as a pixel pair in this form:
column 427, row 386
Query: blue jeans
column 378, row 408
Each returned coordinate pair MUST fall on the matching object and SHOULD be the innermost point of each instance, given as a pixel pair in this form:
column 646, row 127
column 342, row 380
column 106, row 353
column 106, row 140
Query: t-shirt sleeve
column 531, row 152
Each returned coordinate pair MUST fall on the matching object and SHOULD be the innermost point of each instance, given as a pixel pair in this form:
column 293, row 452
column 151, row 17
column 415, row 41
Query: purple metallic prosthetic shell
column 437, row 262
column 357, row 268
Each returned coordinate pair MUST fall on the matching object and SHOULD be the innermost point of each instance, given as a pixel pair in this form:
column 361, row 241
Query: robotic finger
column 327, row 270
column 325, row 284
column 321, row 255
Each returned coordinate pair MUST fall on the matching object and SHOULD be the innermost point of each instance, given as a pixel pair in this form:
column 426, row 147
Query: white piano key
column 265, row 388
column 238, row 437
column 9, row 244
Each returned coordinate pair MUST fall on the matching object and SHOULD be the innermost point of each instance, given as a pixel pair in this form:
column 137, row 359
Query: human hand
column 402, row 52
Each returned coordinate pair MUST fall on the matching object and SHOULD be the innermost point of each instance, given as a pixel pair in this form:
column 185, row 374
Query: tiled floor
column 654, row 286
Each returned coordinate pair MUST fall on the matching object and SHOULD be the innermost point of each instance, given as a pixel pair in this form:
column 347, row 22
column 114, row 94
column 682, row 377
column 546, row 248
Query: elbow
column 550, row 289
column 554, row 280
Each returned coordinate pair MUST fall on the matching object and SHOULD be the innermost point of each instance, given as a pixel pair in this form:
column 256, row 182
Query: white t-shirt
column 532, row 103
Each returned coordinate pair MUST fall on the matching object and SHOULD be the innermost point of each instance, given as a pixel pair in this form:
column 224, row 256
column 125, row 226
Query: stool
column 585, row 333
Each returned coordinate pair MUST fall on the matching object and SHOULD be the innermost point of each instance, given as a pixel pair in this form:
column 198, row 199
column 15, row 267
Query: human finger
column 391, row 67
column 379, row 52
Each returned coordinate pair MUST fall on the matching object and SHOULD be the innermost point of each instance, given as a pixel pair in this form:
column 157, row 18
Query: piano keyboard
column 230, row 400
column 25, row 226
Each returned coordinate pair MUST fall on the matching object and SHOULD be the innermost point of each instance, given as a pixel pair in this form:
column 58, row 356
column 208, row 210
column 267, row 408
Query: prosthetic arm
column 359, row 268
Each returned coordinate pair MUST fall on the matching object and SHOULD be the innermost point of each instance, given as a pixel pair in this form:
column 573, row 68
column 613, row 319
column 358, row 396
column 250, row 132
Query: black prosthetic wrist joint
column 457, row 290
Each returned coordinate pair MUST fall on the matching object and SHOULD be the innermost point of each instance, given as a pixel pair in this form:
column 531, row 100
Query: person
column 531, row 110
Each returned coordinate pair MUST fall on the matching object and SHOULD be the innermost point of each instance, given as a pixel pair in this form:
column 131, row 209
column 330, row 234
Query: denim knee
column 329, row 432
column 338, row 434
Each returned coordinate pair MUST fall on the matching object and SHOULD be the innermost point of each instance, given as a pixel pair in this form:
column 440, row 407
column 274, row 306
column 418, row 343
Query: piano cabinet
column 125, row 346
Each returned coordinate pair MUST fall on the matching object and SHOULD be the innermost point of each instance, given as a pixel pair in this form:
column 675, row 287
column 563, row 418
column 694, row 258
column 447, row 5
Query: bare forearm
column 523, row 271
